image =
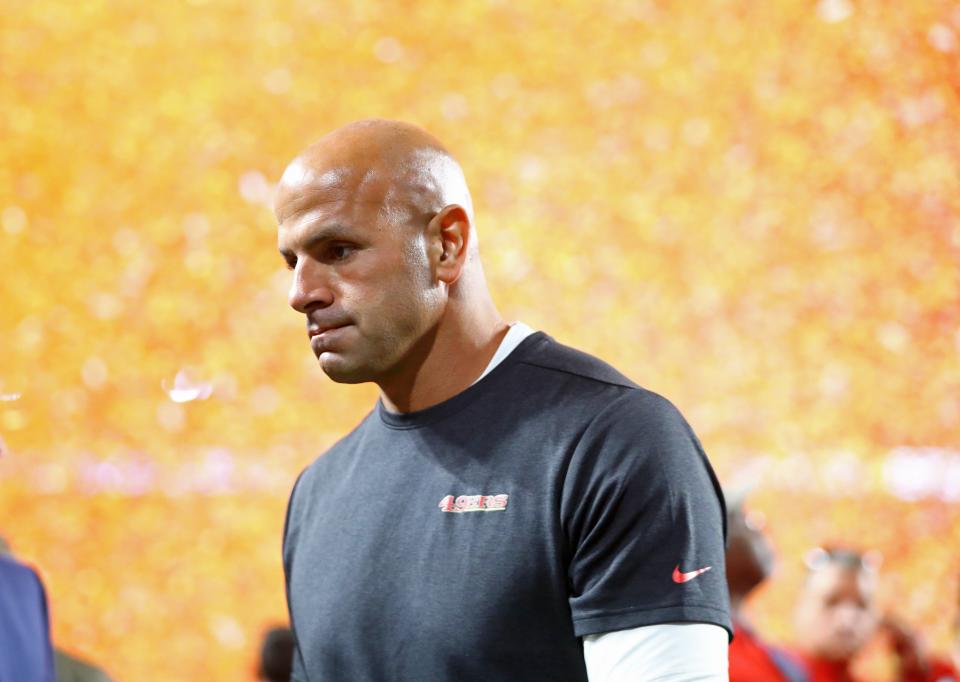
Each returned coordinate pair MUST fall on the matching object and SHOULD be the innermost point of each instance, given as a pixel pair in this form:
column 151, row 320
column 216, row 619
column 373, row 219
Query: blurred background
column 752, row 208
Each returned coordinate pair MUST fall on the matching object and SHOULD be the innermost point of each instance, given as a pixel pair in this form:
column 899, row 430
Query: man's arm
column 645, row 521
column 674, row 652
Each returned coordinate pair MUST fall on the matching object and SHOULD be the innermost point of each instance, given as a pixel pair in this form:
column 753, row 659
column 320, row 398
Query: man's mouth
column 313, row 331
column 319, row 324
column 323, row 339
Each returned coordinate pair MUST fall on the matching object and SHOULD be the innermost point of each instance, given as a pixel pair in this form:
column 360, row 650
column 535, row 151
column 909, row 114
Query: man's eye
column 340, row 251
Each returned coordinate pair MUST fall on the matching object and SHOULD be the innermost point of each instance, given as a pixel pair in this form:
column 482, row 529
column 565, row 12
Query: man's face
column 836, row 615
column 361, row 274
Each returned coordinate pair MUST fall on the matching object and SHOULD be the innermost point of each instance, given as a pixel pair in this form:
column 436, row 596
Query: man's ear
column 450, row 234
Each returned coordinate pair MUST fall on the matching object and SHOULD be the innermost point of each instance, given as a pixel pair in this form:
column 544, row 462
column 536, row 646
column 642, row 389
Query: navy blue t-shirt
column 480, row 538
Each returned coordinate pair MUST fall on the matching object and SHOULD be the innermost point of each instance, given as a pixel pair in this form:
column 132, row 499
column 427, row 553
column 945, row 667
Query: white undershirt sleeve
column 671, row 652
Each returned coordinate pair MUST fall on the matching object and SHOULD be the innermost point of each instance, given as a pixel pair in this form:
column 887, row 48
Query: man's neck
column 455, row 355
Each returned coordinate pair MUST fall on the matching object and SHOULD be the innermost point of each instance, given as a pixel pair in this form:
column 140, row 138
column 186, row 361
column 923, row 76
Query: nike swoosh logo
column 679, row 577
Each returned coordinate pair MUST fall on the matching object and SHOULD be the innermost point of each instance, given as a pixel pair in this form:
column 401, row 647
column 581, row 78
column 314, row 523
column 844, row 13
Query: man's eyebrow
column 326, row 233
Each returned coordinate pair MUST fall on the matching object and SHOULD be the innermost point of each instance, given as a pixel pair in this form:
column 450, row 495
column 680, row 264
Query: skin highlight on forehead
column 298, row 174
column 303, row 188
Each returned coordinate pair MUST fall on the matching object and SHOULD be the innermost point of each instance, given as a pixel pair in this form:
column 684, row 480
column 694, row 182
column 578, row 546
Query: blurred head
column 376, row 225
column 749, row 554
column 836, row 612
column 276, row 655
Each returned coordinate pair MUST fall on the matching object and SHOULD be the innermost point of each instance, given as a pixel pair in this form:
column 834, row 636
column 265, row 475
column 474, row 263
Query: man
column 25, row 650
column 836, row 613
column 749, row 563
column 512, row 509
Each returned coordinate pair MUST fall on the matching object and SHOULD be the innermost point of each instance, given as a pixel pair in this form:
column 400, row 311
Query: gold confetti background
column 752, row 208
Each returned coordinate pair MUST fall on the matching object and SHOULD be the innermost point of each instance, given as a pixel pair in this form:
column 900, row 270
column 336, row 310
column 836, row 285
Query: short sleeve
column 644, row 517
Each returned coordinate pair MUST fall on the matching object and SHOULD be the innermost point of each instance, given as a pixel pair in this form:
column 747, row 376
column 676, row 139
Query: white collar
column 518, row 332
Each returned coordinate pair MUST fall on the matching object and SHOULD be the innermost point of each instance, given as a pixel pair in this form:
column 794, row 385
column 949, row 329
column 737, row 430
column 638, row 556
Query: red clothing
column 822, row 670
column 938, row 671
column 751, row 660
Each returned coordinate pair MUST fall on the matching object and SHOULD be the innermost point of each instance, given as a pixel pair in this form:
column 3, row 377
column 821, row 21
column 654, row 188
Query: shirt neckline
column 434, row 413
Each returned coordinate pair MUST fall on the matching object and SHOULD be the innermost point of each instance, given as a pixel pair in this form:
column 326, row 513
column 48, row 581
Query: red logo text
column 473, row 503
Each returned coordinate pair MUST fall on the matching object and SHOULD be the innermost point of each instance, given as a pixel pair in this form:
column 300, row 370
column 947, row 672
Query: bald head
column 394, row 164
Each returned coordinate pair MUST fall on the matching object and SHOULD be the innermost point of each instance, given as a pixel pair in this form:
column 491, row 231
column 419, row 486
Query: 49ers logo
column 473, row 503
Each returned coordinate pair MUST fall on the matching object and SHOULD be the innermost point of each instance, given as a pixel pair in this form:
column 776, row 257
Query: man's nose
column 310, row 287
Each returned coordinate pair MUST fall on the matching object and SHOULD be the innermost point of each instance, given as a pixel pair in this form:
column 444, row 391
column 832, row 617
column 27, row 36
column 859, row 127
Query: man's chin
column 342, row 371
column 843, row 651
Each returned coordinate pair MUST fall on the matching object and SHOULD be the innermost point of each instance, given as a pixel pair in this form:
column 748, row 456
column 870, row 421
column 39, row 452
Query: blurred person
column 276, row 656
column 914, row 662
column 512, row 508
column 26, row 654
column 750, row 562
column 836, row 612
column 66, row 667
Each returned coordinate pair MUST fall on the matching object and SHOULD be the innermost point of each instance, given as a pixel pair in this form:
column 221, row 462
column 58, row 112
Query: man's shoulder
column 18, row 576
column 546, row 353
column 590, row 389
